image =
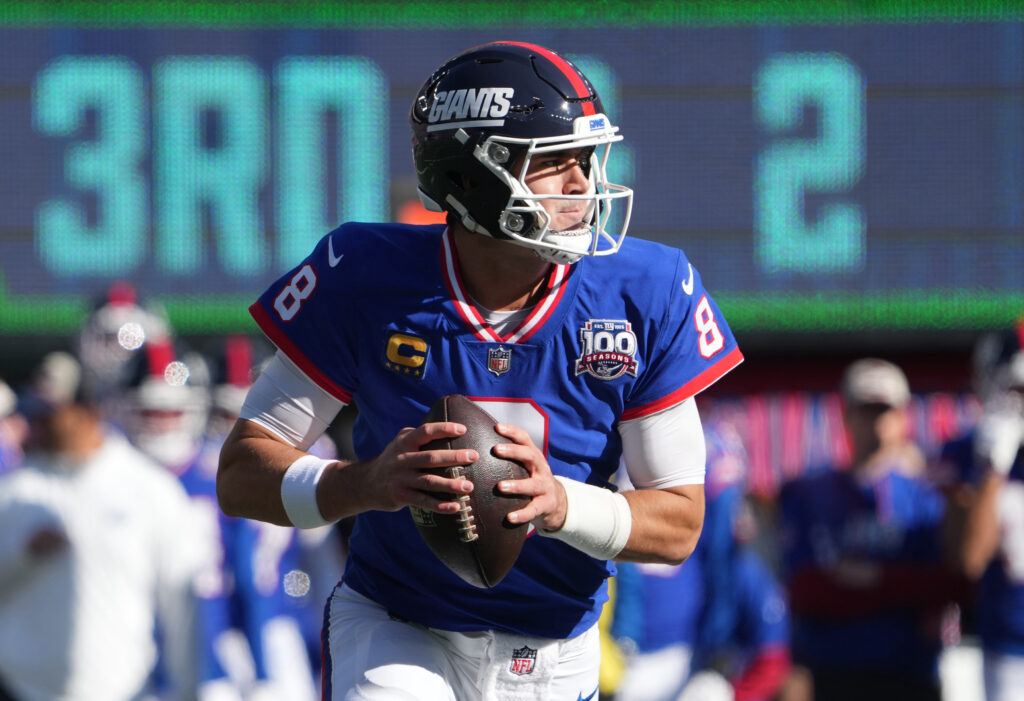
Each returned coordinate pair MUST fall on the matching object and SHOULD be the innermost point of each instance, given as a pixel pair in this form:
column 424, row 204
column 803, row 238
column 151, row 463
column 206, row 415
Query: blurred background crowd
column 118, row 571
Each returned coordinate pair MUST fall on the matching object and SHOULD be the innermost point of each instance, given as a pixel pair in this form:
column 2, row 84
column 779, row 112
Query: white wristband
column 298, row 491
column 597, row 520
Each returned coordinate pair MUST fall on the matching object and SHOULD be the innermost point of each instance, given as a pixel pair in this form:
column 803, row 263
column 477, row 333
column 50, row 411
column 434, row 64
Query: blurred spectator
column 118, row 326
column 721, row 615
column 96, row 551
column 862, row 554
column 175, row 407
column 742, row 650
column 280, row 616
column 985, row 471
column 655, row 625
column 13, row 429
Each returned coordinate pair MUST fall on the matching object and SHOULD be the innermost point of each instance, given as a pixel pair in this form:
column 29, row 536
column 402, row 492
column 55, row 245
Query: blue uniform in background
column 613, row 338
column 998, row 602
column 744, row 627
column 657, row 605
column 889, row 622
column 249, row 624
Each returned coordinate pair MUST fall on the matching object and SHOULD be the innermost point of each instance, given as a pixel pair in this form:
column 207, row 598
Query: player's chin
column 571, row 224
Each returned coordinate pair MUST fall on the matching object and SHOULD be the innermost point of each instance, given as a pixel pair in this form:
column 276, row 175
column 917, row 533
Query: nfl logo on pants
column 523, row 660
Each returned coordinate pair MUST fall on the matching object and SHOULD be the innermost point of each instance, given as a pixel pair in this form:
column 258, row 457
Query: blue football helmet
column 479, row 120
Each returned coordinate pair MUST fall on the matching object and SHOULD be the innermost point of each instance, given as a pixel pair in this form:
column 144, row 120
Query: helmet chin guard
column 478, row 123
column 524, row 219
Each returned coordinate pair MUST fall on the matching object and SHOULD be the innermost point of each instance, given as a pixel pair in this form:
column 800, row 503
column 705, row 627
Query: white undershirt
column 503, row 322
column 660, row 450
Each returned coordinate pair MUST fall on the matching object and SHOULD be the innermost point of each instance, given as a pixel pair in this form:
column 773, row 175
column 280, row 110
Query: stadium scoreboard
column 839, row 175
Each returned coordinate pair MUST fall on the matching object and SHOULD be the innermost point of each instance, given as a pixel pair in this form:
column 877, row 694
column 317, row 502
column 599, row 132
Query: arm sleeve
column 665, row 449
column 286, row 402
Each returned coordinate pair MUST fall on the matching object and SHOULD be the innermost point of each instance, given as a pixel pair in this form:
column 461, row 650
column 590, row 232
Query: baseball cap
column 875, row 381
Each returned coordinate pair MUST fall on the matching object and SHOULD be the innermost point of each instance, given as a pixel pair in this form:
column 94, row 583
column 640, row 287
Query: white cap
column 875, row 381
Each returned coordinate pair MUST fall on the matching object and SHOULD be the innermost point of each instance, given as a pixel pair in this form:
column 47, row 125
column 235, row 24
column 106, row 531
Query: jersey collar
column 555, row 287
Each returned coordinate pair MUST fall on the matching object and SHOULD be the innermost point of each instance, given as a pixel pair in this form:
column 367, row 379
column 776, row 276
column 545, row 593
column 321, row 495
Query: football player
column 991, row 466
column 862, row 553
column 583, row 356
column 251, row 644
column 117, row 327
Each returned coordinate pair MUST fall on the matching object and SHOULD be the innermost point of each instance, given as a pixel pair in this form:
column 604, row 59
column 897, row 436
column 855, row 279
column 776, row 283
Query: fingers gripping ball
column 478, row 543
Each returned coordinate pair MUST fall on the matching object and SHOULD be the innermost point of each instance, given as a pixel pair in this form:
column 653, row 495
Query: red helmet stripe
column 1020, row 331
column 565, row 67
column 121, row 292
column 159, row 355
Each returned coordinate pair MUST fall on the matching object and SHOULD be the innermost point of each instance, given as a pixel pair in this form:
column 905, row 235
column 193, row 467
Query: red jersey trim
column 471, row 317
column 267, row 325
column 691, row 388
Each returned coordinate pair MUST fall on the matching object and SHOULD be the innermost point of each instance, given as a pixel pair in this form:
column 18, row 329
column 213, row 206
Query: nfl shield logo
column 523, row 660
column 499, row 359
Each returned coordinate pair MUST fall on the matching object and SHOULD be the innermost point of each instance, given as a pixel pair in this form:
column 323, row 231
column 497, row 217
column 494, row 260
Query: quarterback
column 587, row 360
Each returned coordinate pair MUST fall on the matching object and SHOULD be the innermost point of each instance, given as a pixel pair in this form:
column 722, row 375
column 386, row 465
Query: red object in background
column 412, row 212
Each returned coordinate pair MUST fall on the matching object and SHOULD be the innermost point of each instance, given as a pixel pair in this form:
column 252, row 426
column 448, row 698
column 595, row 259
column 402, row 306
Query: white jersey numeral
column 290, row 298
column 522, row 413
column 710, row 337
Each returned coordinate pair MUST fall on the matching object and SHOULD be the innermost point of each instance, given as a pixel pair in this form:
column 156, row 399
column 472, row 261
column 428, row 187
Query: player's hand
column 397, row 479
column 547, row 508
column 1000, row 433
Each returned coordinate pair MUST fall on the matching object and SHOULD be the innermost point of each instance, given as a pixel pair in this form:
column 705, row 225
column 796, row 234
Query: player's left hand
column 548, row 506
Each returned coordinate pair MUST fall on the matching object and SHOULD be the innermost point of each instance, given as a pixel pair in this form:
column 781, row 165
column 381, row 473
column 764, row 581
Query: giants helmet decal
column 479, row 120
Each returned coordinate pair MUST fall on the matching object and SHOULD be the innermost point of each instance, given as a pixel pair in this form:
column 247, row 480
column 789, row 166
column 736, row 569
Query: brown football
column 478, row 543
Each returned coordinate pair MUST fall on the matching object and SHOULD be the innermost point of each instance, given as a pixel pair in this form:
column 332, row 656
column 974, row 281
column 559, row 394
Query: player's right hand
column 397, row 476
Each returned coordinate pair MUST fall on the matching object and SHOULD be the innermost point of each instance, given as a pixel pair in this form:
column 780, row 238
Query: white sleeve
column 665, row 449
column 286, row 402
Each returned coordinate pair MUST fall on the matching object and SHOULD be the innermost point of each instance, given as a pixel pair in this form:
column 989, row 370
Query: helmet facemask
column 523, row 219
column 526, row 222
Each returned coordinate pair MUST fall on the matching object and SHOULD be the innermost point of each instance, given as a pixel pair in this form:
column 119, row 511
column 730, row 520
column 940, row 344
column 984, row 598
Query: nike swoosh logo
column 688, row 283
column 589, row 696
column 331, row 258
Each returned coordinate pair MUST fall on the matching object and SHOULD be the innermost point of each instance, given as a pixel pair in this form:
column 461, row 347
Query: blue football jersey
column 241, row 585
column 377, row 315
column 828, row 517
